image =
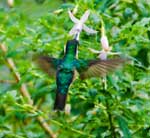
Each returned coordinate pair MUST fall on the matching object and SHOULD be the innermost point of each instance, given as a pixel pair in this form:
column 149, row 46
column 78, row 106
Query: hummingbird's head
column 71, row 47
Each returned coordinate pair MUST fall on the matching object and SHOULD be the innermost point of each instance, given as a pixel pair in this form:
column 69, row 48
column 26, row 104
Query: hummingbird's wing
column 97, row 68
column 48, row 65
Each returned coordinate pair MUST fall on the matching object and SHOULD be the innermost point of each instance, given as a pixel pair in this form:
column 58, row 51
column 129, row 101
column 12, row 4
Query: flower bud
column 104, row 43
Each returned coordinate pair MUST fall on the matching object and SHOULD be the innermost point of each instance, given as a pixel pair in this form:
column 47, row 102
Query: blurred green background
column 41, row 27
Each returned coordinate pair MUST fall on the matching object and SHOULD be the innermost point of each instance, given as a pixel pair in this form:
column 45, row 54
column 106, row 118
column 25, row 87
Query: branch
column 112, row 128
column 24, row 92
column 7, row 81
column 72, row 129
column 12, row 67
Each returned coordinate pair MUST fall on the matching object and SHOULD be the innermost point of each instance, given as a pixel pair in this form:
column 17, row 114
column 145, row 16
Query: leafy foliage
column 121, row 110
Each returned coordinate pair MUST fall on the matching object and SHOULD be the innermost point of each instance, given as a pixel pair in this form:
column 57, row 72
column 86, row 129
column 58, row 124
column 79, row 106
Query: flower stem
column 102, row 27
column 112, row 127
column 25, row 93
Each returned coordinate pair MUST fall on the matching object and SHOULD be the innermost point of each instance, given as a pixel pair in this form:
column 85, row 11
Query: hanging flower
column 79, row 24
column 106, row 49
column 105, row 43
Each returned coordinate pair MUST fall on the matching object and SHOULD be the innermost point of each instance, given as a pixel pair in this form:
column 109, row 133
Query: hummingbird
column 64, row 69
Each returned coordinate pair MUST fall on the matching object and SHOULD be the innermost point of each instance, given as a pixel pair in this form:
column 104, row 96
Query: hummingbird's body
column 63, row 69
column 65, row 73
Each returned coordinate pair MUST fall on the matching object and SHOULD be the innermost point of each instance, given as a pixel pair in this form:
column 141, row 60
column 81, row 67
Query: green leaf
column 124, row 127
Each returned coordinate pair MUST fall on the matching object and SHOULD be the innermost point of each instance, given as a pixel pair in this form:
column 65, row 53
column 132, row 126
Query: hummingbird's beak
column 76, row 37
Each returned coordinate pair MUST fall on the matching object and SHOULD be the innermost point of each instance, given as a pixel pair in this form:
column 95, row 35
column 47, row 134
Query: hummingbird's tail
column 60, row 101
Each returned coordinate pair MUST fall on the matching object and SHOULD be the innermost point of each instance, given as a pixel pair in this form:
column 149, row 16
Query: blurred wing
column 48, row 65
column 97, row 68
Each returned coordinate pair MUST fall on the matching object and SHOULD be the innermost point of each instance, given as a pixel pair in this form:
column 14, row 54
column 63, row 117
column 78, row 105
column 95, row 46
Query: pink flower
column 106, row 50
column 105, row 43
column 79, row 24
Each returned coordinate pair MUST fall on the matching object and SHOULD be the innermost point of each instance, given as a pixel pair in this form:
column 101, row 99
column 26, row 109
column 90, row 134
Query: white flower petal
column 73, row 30
column 114, row 53
column 104, row 42
column 85, row 16
column 103, row 55
column 94, row 51
column 89, row 30
column 74, row 19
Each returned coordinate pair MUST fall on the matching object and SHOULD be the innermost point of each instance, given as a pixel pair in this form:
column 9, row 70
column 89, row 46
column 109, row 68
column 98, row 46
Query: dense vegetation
column 41, row 28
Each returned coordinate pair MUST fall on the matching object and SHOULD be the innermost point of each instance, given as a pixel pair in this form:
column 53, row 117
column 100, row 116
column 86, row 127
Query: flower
column 103, row 55
column 106, row 50
column 79, row 25
column 104, row 43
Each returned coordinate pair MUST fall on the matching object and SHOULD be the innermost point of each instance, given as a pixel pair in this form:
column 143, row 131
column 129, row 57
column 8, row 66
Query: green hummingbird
column 64, row 69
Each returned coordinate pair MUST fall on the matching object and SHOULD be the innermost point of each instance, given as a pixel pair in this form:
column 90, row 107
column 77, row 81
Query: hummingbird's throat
column 71, row 49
